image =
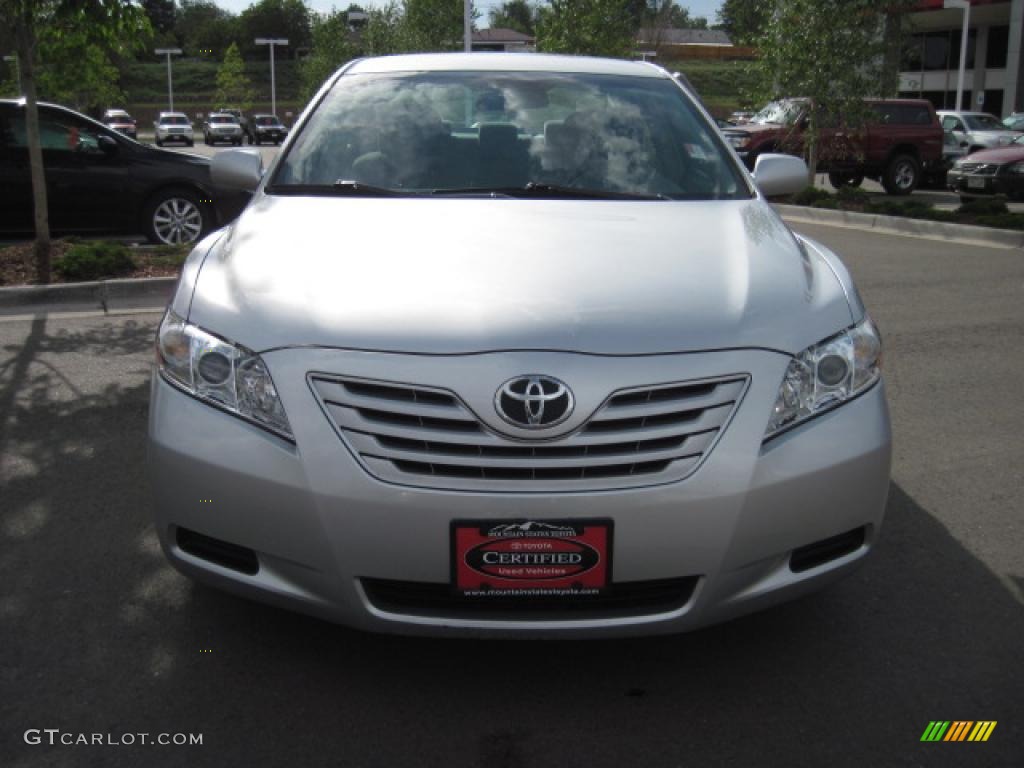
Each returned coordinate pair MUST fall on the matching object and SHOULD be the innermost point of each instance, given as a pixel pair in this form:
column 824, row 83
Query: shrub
column 1001, row 221
column 91, row 261
column 810, row 195
column 852, row 196
column 826, row 202
column 992, row 206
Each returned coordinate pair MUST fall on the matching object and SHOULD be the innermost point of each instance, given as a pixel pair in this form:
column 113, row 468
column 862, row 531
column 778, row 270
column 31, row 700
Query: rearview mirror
column 237, row 169
column 777, row 175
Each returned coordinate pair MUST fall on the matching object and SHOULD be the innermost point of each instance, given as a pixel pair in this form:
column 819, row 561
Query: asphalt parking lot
column 100, row 635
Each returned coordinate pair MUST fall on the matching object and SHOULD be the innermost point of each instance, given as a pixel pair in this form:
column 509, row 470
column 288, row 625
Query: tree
column 744, row 20
column 161, row 15
column 233, row 87
column 332, row 47
column 832, row 52
column 383, row 32
column 594, row 27
column 517, row 15
column 289, row 19
column 202, row 28
column 432, row 25
column 102, row 23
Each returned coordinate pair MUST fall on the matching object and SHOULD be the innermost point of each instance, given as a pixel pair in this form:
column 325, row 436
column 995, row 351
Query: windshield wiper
column 539, row 189
column 342, row 187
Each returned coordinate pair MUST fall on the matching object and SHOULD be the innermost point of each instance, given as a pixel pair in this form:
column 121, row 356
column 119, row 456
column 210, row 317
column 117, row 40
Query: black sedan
column 102, row 182
column 990, row 172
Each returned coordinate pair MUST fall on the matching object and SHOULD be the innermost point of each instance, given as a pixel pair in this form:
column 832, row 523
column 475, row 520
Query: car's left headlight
column 225, row 375
column 826, row 375
column 1016, row 168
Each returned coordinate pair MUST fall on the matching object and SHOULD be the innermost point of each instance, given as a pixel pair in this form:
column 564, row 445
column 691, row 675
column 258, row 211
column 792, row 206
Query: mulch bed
column 17, row 263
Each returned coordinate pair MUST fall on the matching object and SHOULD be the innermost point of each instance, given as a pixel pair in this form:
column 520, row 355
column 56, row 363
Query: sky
column 707, row 8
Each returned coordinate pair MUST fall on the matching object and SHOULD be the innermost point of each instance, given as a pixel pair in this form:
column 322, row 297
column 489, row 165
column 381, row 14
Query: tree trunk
column 24, row 32
column 811, row 141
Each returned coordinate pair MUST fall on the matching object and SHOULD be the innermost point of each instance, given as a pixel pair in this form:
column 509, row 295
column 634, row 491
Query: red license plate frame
column 531, row 558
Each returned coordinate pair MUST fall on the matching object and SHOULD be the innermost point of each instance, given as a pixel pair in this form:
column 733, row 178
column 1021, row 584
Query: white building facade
column 994, row 78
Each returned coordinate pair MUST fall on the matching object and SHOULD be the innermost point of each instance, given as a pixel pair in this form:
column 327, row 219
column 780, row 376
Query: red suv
column 899, row 143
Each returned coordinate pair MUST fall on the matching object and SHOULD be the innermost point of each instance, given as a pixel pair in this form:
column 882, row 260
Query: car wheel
column 839, row 179
column 190, row 143
column 158, row 142
column 902, row 175
column 175, row 217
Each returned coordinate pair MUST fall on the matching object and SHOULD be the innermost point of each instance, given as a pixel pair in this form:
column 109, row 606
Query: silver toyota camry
column 513, row 344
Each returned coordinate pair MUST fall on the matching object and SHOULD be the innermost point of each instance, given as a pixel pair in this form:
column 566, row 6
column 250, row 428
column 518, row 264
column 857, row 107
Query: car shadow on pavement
column 100, row 635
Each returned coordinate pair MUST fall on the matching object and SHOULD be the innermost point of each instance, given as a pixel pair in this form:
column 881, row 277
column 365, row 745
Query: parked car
column 222, row 127
column 261, row 128
column 741, row 117
column 173, row 126
column 102, row 182
column 976, row 130
column 1014, row 122
column 900, row 142
column 121, row 121
column 644, row 407
column 990, row 172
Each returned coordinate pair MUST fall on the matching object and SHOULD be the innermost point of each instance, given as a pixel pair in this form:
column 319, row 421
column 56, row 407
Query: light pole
column 965, row 6
column 467, row 25
column 272, row 41
column 168, row 52
column 17, row 70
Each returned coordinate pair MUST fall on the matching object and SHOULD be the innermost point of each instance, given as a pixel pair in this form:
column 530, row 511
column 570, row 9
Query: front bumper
column 166, row 136
column 1011, row 185
column 320, row 526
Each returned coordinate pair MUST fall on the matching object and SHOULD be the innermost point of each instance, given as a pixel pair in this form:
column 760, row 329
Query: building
column 994, row 77
column 502, row 40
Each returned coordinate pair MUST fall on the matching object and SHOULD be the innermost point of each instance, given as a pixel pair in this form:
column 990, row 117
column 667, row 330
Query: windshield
column 173, row 120
column 266, row 121
column 222, row 119
column 778, row 113
column 466, row 132
column 983, row 123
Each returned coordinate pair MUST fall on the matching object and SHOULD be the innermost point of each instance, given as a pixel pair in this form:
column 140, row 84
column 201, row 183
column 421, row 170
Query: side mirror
column 107, row 143
column 237, row 169
column 777, row 175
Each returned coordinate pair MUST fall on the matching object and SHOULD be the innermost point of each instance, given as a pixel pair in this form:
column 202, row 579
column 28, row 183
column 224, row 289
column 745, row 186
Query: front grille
column 428, row 437
column 439, row 601
column 979, row 169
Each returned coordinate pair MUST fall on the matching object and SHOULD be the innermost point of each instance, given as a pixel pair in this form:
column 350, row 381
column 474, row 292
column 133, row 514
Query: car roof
column 504, row 62
column 220, row 114
column 173, row 114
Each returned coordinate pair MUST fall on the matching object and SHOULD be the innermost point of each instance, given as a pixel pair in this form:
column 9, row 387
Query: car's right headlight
column 225, row 375
column 826, row 375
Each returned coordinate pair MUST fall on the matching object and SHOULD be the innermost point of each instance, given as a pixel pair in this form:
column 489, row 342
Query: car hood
column 998, row 156
column 754, row 128
column 447, row 276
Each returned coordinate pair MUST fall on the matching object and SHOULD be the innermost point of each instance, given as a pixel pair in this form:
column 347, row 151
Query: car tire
column 175, row 216
column 190, row 143
column 902, row 175
column 158, row 142
column 840, row 179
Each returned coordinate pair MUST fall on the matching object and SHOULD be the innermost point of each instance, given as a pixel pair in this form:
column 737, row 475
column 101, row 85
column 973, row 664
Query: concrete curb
column 898, row 225
column 106, row 295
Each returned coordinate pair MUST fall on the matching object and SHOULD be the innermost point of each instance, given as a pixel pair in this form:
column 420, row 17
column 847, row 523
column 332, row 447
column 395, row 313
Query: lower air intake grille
column 428, row 437
column 635, row 598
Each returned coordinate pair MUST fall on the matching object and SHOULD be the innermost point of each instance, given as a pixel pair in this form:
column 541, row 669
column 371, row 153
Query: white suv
column 173, row 126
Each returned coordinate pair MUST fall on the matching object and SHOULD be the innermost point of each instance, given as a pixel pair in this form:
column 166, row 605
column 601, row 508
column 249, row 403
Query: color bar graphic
column 958, row 730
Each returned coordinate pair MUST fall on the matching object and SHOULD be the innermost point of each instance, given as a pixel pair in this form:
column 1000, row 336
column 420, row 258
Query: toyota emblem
column 534, row 401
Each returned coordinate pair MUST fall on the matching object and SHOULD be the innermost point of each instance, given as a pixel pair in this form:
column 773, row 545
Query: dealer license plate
column 531, row 558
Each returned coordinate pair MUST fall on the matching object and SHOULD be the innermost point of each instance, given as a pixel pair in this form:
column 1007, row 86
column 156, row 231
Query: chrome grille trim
column 428, row 437
column 980, row 169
